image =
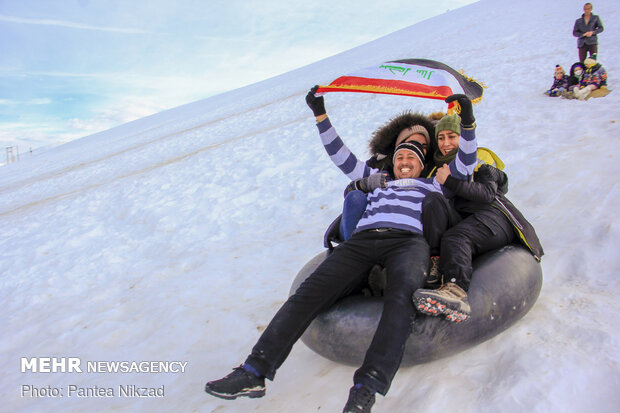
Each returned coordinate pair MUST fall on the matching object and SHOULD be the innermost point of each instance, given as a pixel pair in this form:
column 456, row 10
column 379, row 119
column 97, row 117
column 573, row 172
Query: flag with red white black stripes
column 408, row 77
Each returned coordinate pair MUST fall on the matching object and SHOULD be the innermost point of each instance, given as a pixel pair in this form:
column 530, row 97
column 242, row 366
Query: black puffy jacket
column 485, row 195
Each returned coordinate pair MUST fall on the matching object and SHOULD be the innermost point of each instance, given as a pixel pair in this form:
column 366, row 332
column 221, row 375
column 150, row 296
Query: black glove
column 317, row 104
column 371, row 182
column 467, row 112
column 487, row 173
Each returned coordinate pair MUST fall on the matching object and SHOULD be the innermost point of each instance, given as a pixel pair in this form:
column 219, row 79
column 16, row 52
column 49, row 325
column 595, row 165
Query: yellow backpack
column 487, row 156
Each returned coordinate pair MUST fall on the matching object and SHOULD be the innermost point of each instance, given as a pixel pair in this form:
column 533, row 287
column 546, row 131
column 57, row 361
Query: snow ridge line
column 69, row 194
column 81, row 165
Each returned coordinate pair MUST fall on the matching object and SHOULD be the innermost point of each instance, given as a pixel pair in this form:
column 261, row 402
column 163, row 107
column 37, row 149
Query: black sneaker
column 360, row 400
column 237, row 384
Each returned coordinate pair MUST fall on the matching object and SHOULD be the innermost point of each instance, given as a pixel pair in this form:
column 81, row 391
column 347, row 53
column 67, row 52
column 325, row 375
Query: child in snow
column 576, row 74
column 560, row 82
column 594, row 78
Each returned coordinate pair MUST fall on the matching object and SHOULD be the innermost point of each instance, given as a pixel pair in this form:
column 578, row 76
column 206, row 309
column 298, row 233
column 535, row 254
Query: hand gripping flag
column 408, row 77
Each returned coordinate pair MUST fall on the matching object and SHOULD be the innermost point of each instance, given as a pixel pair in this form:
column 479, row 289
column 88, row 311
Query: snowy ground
column 176, row 237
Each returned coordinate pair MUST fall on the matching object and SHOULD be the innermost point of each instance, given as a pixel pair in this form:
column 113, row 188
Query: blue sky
column 70, row 68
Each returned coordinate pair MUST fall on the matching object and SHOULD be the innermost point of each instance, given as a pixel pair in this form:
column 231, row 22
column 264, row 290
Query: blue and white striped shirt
column 400, row 204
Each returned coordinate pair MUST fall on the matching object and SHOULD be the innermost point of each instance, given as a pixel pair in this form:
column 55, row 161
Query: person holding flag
column 389, row 234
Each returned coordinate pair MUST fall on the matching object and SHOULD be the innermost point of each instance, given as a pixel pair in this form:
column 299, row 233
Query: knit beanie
column 383, row 140
column 415, row 147
column 559, row 69
column 448, row 122
column 406, row 133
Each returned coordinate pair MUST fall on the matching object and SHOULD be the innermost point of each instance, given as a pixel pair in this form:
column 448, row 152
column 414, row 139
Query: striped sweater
column 400, row 204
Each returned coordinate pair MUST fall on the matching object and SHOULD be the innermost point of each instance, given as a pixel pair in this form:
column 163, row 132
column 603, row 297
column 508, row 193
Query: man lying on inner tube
column 388, row 234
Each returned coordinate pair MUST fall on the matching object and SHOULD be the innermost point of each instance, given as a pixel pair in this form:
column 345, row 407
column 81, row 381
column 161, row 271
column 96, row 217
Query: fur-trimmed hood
column 384, row 138
column 574, row 66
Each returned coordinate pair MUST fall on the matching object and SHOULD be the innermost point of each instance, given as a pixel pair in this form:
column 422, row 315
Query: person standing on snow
column 585, row 30
column 389, row 234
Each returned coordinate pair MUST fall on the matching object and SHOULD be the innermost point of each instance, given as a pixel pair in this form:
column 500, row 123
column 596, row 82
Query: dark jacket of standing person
column 594, row 25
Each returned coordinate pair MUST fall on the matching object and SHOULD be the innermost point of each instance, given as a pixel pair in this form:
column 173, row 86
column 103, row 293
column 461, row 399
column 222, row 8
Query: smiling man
column 408, row 160
column 388, row 234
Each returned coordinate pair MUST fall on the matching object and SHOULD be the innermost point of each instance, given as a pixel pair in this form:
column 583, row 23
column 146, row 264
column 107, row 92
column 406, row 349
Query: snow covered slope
column 176, row 237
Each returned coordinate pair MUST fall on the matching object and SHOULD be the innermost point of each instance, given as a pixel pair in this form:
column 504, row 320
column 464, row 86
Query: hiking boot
column 360, row 400
column 449, row 300
column 434, row 277
column 237, row 384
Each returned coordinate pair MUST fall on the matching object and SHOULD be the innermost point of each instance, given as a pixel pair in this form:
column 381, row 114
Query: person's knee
column 434, row 215
column 457, row 236
column 437, row 210
column 458, row 232
column 400, row 297
column 355, row 199
column 352, row 210
column 433, row 200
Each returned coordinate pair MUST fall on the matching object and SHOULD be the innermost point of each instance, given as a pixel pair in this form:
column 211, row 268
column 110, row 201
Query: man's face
column 406, row 165
column 447, row 140
column 587, row 9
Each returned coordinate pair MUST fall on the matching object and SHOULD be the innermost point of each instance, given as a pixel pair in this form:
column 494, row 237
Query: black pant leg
column 474, row 235
column 406, row 262
column 438, row 215
column 341, row 272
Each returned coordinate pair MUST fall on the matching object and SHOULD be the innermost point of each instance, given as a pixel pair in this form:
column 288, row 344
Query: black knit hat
column 413, row 146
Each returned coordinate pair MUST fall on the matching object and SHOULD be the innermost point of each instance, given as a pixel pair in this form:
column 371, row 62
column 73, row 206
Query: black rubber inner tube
column 504, row 287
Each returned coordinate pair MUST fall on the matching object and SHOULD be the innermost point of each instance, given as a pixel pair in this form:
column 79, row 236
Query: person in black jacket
column 489, row 221
column 585, row 30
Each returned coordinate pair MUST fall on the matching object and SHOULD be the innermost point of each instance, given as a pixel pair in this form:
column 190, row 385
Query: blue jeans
column 405, row 257
column 352, row 210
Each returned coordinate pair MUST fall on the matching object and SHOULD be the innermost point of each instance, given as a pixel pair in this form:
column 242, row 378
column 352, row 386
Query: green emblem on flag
column 426, row 74
column 395, row 69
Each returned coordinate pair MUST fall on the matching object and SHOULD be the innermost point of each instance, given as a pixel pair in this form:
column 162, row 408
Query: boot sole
column 433, row 307
column 252, row 394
